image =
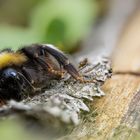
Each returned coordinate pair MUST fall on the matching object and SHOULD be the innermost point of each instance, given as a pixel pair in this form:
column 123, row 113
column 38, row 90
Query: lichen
column 64, row 101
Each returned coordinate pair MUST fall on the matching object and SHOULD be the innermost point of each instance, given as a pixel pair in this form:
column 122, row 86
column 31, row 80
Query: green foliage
column 63, row 22
column 60, row 22
column 11, row 130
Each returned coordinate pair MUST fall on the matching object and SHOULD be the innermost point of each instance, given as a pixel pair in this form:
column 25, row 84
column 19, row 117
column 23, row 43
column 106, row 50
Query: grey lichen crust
column 65, row 99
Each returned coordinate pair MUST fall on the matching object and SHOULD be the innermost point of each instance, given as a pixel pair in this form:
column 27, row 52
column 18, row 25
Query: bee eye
column 9, row 73
column 13, row 74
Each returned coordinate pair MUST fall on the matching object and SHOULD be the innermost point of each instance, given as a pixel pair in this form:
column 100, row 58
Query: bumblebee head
column 8, row 75
column 10, row 84
column 10, row 80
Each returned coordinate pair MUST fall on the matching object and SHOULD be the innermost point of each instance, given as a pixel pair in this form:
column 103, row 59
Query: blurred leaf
column 63, row 22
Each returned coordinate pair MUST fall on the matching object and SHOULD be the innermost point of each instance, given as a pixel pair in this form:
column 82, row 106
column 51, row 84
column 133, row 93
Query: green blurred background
column 64, row 23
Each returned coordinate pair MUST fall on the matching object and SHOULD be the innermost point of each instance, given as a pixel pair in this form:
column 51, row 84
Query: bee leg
column 28, row 81
column 35, row 51
column 47, row 66
column 34, row 54
column 27, row 75
column 56, row 72
column 64, row 61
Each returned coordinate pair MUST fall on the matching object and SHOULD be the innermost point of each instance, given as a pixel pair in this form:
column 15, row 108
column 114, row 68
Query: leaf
column 64, row 22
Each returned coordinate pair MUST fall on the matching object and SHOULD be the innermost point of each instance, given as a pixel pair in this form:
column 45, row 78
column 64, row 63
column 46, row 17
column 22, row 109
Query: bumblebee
column 31, row 68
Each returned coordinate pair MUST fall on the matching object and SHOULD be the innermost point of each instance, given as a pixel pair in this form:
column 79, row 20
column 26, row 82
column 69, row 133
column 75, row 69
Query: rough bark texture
column 117, row 114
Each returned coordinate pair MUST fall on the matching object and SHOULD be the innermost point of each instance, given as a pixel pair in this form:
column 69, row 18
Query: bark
column 117, row 115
